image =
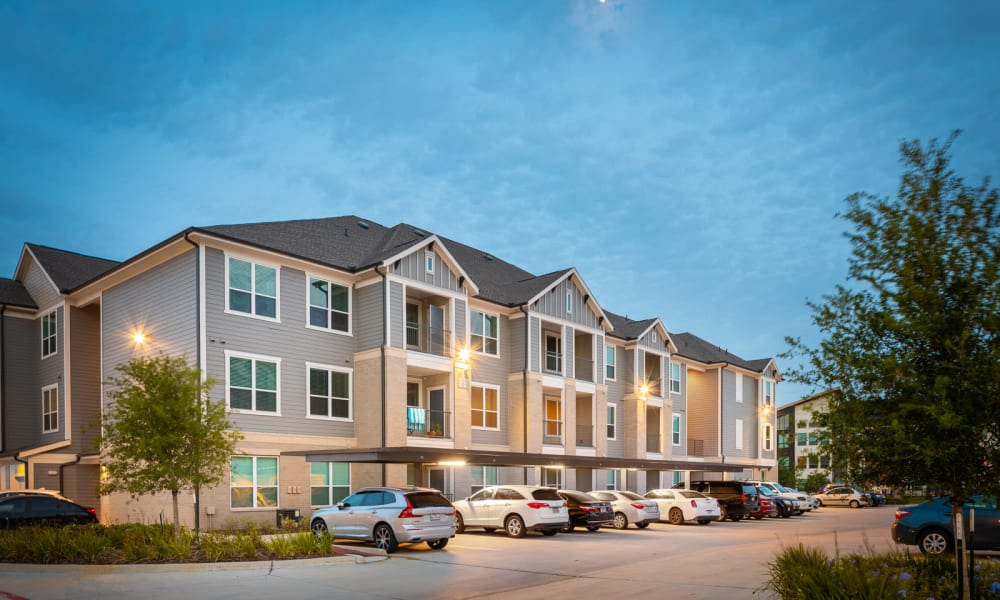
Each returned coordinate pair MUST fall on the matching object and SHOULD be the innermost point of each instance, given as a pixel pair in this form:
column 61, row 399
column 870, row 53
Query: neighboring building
column 801, row 441
column 353, row 354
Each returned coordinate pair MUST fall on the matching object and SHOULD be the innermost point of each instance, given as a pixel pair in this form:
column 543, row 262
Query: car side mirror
column 342, row 505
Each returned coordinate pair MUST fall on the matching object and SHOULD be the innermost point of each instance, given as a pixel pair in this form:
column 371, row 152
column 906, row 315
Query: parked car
column 737, row 499
column 875, row 498
column 679, row 506
column 586, row 511
column 783, row 507
column 629, row 507
column 928, row 525
column 843, row 496
column 32, row 492
column 798, row 502
column 768, row 507
column 42, row 509
column 514, row 508
column 389, row 516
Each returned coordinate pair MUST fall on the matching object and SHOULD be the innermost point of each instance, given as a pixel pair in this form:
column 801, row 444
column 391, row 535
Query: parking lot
column 721, row 560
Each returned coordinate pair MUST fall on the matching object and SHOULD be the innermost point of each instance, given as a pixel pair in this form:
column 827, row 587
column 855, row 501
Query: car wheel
column 385, row 539
column 569, row 527
column 549, row 532
column 723, row 513
column 703, row 521
column 855, row 504
column 676, row 516
column 593, row 528
column 514, row 525
column 621, row 521
column 437, row 544
column 820, row 501
column 319, row 527
column 735, row 518
column 460, row 523
column 642, row 525
column 934, row 541
column 758, row 517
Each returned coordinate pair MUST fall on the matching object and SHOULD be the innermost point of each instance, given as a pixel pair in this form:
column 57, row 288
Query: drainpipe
column 27, row 470
column 524, row 384
column 62, row 487
column 3, row 382
column 197, row 353
column 721, row 397
column 385, row 342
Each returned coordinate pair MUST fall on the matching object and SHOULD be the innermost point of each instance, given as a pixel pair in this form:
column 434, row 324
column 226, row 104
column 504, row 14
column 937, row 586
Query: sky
column 688, row 158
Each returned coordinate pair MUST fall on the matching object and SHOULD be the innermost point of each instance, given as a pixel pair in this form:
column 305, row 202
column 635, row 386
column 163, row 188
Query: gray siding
column 397, row 312
column 39, row 286
column 616, row 388
column 23, row 393
column 535, row 342
column 85, row 364
column 493, row 371
column 731, row 411
column 616, row 447
column 600, row 369
column 290, row 341
column 412, row 267
column 647, row 341
column 569, row 352
column 553, row 303
column 367, row 316
column 461, row 319
column 50, row 371
column 513, row 331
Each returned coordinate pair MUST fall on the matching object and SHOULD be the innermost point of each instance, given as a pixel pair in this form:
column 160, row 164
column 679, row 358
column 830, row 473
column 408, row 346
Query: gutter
column 62, row 488
column 385, row 342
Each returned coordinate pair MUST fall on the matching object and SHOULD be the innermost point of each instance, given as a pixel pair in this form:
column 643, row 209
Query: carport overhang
column 450, row 456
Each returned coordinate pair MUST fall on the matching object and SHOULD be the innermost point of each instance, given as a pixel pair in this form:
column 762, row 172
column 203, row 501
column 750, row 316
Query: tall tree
column 163, row 432
column 912, row 341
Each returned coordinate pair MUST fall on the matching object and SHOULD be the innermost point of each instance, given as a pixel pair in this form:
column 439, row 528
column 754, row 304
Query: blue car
column 928, row 525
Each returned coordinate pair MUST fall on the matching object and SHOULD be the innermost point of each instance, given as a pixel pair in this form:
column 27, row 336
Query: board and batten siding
column 553, row 304
column 368, row 316
column 660, row 345
column 512, row 332
column 289, row 341
column 413, row 266
column 38, row 285
column 22, row 390
column 461, row 320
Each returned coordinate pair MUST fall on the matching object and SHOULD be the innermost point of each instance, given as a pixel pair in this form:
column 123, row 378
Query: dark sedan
column 586, row 511
column 928, row 525
column 42, row 509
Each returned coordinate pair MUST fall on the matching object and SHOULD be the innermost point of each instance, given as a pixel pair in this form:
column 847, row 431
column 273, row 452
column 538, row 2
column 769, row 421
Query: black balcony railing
column 423, row 422
column 432, row 340
column 585, row 436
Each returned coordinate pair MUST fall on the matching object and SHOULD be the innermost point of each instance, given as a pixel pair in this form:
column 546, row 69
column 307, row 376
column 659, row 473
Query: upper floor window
column 50, row 409
column 767, row 436
column 429, row 262
column 609, row 362
column 329, row 305
column 768, row 392
column 800, row 439
column 675, row 429
column 553, row 353
column 569, row 303
column 611, row 421
column 253, row 383
column 654, row 338
column 553, row 425
column 675, row 377
column 329, row 392
column 485, row 410
column 49, row 334
column 485, row 333
column 739, row 388
column 253, row 288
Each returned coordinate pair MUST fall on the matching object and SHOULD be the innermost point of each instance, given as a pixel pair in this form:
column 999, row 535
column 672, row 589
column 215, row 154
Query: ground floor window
column 253, row 481
column 552, row 477
column 613, row 478
column 329, row 482
column 483, row 477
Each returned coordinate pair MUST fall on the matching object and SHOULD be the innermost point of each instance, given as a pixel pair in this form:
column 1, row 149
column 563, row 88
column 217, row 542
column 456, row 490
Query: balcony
column 553, row 362
column 585, row 436
column 430, row 340
column 583, row 369
column 653, row 443
column 423, row 422
column 696, row 447
column 552, row 432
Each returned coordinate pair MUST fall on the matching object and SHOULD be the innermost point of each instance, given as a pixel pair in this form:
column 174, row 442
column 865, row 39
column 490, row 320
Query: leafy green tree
column 788, row 474
column 162, row 431
column 815, row 481
column 912, row 342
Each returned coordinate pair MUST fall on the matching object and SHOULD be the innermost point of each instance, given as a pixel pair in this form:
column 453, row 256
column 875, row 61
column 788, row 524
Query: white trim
column 255, row 357
column 584, row 291
column 67, row 376
column 670, row 377
column 569, row 302
column 680, row 430
column 484, row 386
column 738, row 390
column 738, row 430
column 253, row 285
column 202, row 312
column 614, row 353
column 329, row 470
column 45, row 389
column 441, row 251
column 350, row 392
column 565, row 323
column 425, row 287
column 613, row 408
column 54, row 313
column 255, row 486
column 765, row 439
column 38, row 263
column 350, row 305
column 429, row 259
column 469, row 333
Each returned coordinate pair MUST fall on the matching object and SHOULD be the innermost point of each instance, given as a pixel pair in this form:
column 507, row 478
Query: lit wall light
column 138, row 337
column 452, row 463
column 462, row 360
column 644, row 390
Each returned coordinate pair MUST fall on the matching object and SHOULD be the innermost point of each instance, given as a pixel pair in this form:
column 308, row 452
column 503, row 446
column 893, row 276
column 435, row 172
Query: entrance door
column 437, row 421
column 435, row 325
column 437, row 478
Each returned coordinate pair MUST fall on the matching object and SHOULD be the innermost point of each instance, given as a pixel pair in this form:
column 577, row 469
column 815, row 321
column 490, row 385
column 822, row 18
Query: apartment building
column 351, row 354
column 802, row 440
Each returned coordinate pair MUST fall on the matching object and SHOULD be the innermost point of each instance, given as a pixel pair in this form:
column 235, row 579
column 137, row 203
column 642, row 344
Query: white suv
column 514, row 508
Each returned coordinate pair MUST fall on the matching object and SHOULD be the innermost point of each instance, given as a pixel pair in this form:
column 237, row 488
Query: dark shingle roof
column 12, row 293
column 692, row 346
column 627, row 329
column 69, row 270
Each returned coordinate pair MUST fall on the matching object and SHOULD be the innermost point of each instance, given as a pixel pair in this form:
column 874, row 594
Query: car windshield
column 782, row 488
column 632, row 496
column 546, row 494
column 424, row 499
column 765, row 491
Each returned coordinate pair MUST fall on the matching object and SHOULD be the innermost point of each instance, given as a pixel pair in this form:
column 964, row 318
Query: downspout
column 27, row 470
column 197, row 353
column 385, row 342
column 524, row 384
column 62, row 487
column 721, row 398
column 3, row 381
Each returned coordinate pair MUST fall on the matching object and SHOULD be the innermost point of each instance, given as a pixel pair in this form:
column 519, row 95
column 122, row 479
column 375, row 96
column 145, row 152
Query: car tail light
column 903, row 513
column 588, row 509
column 408, row 511
column 538, row 505
column 694, row 504
column 743, row 497
column 92, row 511
column 638, row 505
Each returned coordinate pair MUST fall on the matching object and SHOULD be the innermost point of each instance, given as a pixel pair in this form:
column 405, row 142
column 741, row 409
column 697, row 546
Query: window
column 253, row 383
column 553, row 353
column 429, row 262
column 329, row 305
column 767, row 436
column 768, row 392
column 49, row 334
column 675, row 377
column 329, row 392
column 552, row 477
column 485, row 411
column 678, row 477
column 801, row 462
column 739, row 388
column 253, row 481
column 675, row 429
column 50, row 409
column 739, row 434
column 253, row 288
column 553, row 419
column 609, row 362
column 813, row 438
column 613, row 478
column 800, row 439
column 485, row 333
column 611, row 421
column 329, row 482
column 654, row 337
column 783, row 440
column 824, row 461
column 483, row 477
column 569, row 303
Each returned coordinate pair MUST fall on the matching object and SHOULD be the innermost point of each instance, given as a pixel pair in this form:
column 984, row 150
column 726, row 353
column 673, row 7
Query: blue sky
column 688, row 158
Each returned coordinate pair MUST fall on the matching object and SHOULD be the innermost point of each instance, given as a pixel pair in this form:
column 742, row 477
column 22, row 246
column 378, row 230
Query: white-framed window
column 675, row 429
column 485, row 335
column 252, row 288
column 612, row 421
column 654, row 337
column 330, row 392
column 739, row 434
column 569, row 303
column 49, row 346
column 252, row 383
column 767, row 436
column 675, row 377
column 768, row 392
column 329, row 482
column 329, row 305
column 553, row 353
column 485, row 408
column 253, row 481
column 553, row 420
column 552, row 477
column 429, row 262
column 614, row 476
column 50, row 408
column 483, row 477
column 609, row 363
column 739, row 388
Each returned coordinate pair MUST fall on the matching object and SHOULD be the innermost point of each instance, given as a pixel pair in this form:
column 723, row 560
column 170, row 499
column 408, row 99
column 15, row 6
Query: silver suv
column 389, row 516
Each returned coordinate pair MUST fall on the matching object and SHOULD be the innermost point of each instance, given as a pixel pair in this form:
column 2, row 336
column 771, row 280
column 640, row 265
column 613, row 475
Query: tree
column 815, row 481
column 163, row 432
column 788, row 474
column 913, row 345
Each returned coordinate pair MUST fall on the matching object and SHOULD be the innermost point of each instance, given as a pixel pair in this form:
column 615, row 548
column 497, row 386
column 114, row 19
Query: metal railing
column 553, row 362
column 423, row 422
column 432, row 340
column 552, row 431
column 585, row 436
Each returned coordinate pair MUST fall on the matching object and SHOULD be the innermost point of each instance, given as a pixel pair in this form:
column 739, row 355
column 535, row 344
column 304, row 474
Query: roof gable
column 66, row 270
column 13, row 293
column 703, row 351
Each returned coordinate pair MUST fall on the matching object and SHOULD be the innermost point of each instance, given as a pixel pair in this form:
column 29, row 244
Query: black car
column 737, row 499
column 586, row 511
column 42, row 509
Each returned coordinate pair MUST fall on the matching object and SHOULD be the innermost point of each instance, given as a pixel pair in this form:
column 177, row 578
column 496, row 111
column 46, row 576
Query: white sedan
column 629, row 507
column 678, row 506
